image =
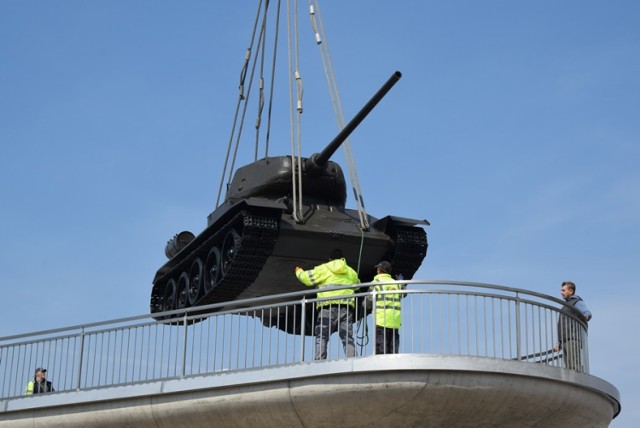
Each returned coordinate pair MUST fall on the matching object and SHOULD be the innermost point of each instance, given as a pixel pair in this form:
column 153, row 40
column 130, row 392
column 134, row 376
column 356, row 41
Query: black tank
column 252, row 243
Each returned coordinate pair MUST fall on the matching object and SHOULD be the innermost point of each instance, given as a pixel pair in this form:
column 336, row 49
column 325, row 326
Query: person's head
column 567, row 290
column 40, row 374
column 336, row 254
column 383, row 267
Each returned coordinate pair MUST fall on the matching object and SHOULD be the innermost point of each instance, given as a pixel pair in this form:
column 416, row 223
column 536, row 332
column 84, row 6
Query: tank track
column 259, row 235
column 410, row 251
column 251, row 244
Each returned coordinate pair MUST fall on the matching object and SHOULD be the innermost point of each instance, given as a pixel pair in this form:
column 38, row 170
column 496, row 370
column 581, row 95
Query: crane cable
column 261, row 48
column 242, row 100
column 295, row 78
column 321, row 41
column 272, row 84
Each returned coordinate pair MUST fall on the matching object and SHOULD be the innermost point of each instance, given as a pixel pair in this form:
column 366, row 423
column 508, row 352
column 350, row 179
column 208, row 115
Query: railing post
column 585, row 351
column 80, row 359
column 184, row 348
column 518, row 327
column 374, row 298
column 303, row 325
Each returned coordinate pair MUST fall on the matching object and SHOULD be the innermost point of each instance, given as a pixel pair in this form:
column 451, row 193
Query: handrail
column 438, row 317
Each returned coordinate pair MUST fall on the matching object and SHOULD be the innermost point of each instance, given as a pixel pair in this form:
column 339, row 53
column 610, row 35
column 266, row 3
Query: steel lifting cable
column 241, row 100
column 261, row 86
column 260, row 93
column 272, row 84
column 261, row 37
column 295, row 123
column 350, row 158
column 321, row 41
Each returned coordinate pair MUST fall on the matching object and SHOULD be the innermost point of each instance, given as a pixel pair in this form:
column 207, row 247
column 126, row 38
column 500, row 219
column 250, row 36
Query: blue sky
column 515, row 131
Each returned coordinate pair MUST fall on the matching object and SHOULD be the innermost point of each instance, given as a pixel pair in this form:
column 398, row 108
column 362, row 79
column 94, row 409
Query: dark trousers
column 330, row 319
column 387, row 340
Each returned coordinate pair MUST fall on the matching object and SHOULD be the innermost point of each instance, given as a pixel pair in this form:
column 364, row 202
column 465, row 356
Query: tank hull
column 258, row 246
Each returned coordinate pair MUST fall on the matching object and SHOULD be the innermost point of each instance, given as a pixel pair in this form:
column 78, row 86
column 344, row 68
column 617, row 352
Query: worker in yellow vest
column 387, row 310
column 39, row 384
column 336, row 313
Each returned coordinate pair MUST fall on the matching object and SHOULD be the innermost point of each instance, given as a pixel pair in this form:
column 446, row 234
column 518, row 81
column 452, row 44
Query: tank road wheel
column 183, row 288
column 169, row 297
column 230, row 249
column 195, row 281
column 212, row 270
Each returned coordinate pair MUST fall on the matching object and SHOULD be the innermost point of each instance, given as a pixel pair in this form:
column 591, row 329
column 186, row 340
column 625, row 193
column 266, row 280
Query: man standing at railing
column 335, row 309
column 387, row 315
column 39, row 384
column 569, row 331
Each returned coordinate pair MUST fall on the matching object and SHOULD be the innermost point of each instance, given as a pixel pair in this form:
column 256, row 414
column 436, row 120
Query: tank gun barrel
column 319, row 160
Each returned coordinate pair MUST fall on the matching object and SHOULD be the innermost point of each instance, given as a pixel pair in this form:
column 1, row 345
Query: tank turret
column 252, row 242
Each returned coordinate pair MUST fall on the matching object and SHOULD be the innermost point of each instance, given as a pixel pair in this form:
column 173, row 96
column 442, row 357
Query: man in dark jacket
column 570, row 329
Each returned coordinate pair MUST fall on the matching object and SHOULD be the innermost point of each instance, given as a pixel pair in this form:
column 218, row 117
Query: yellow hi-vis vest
column 332, row 273
column 387, row 305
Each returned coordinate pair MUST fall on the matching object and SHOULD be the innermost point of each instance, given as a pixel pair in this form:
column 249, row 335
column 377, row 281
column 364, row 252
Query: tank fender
column 265, row 202
column 400, row 221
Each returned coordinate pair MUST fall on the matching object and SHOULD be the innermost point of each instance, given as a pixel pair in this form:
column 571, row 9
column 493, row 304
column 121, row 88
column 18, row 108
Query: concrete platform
column 409, row 390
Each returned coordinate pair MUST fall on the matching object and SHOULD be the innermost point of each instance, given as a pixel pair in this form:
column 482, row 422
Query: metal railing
column 438, row 317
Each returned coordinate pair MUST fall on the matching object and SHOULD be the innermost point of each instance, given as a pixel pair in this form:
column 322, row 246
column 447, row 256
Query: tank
column 252, row 243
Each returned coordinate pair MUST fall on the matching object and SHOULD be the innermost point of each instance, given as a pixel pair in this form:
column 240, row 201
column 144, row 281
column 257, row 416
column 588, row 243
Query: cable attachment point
column 312, row 14
column 243, row 73
column 300, row 91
